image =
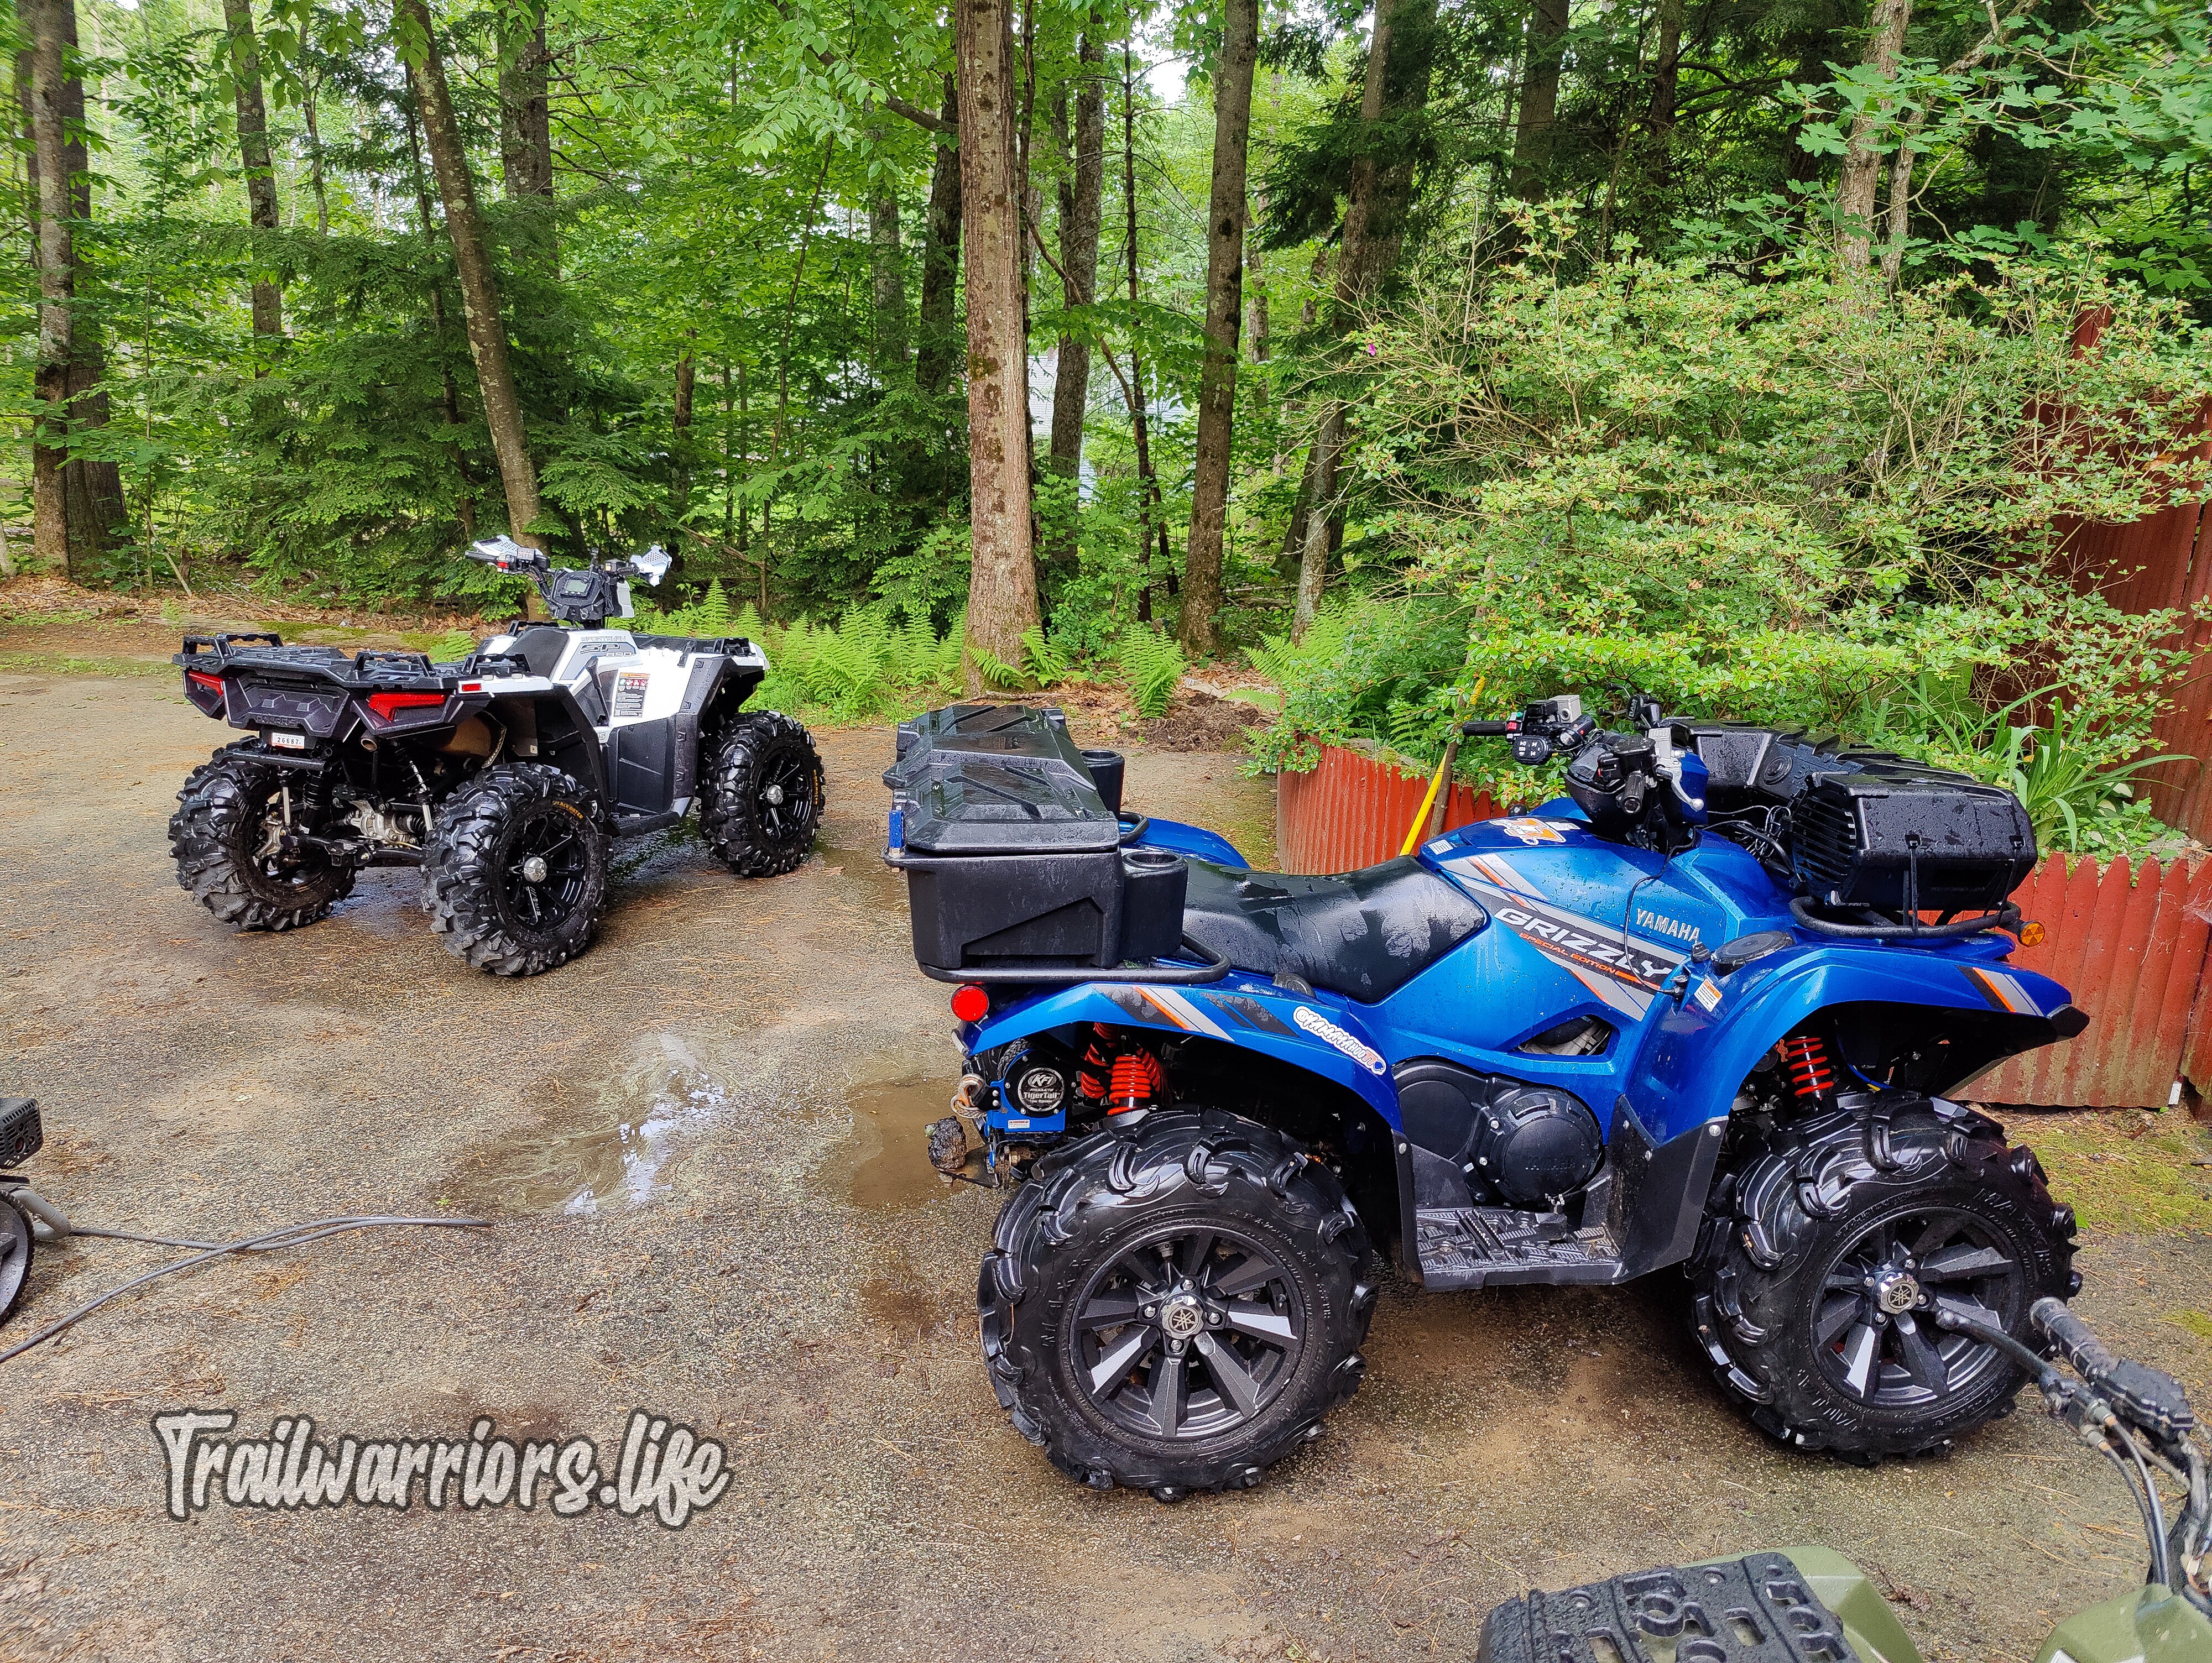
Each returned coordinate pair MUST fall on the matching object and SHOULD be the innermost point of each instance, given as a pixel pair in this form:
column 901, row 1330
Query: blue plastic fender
column 1192, row 842
column 1319, row 1032
column 1692, row 1059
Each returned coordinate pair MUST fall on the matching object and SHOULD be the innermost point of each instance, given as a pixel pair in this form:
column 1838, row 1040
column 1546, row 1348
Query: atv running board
column 1644, row 1208
column 1488, row 1246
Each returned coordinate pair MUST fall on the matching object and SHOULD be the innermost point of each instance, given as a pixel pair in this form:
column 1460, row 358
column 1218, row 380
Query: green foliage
column 1047, row 662
column 1152, row 664
column 865, row 666
column 2066, row 770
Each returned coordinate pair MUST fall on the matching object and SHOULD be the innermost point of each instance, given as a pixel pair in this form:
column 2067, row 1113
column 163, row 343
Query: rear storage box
column 1012, row 858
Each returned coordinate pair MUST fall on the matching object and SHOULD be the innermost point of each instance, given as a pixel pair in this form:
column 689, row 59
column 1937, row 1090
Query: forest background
column 1764, row 353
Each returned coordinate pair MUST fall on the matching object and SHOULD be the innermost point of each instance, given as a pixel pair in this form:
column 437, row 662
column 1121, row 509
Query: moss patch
column 2198, row 1322
column 2125, row 1172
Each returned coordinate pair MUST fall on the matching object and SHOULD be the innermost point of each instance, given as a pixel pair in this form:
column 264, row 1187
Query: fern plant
column 1046, row 661
column 1152, row 664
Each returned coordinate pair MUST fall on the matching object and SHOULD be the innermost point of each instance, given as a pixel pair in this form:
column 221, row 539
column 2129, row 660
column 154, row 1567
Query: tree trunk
column 465, row 505
column 472, row 260
column 74, row 503
column 679, row 427
column 1862, row 169
column 1666, row 84
column 1320, row 519
column 525, row 126
column 253, row 152
column 1255, row 288
column 1399, row 58
column 1082, row 194
column 1002, row 596
column 940, row 261
column 1897, row 222
column 1150, row 511
column 1540, row 99
column 310, row 88
column 1224, row 312
column 887, row 262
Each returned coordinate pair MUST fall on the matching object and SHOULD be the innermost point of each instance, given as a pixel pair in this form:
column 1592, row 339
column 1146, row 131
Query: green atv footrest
column 1762, row 1608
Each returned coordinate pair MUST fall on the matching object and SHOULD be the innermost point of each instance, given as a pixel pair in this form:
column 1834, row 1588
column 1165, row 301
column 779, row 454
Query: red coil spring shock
column 1137, row 1081
column 1093, row 1078
column 1806, row 1056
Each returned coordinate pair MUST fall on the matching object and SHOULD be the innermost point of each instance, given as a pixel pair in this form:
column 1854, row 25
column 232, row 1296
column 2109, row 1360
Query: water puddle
column 861, row 873
column 886, row 1158
column 623, row 1156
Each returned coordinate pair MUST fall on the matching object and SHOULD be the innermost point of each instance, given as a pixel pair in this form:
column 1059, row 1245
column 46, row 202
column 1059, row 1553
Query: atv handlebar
column 1485, row 729
column 2073, row 1337
column 2146, row 1397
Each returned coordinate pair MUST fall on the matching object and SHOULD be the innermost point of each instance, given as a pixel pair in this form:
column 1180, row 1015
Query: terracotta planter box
column 2130, row 940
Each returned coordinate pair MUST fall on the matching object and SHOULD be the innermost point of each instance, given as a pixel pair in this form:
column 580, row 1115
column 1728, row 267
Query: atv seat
column 1361, row 934
column 540, row 646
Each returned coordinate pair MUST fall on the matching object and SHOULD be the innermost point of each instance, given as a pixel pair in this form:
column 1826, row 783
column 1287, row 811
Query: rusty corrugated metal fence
column 1353, row 811
column 2131, row 942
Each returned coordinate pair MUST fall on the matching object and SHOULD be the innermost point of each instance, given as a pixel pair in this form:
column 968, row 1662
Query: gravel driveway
column 700, row 1146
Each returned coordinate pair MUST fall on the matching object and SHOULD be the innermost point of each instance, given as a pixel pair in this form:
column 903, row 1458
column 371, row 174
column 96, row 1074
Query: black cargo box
column 1896, row 835
column 1012, row 858
column 1868, row 829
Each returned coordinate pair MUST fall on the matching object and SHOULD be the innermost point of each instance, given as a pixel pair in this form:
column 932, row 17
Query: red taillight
column 201, row 679
column 970, row 1003
column 386, row 706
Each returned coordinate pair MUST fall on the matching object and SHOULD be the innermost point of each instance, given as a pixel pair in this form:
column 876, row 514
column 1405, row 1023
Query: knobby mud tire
column 750, row 837
column 465, row 888
column 214, row 833
column 1067, row 1218
column 1784, row 1216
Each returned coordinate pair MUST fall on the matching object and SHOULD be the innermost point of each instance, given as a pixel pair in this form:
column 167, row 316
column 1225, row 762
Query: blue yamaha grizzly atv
column 1701, row 1011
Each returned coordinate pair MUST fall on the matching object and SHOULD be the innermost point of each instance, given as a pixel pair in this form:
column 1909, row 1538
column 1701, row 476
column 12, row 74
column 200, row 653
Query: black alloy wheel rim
column 1188, row 1334
column 786, row 796
column 1874, row 1325
column 545, row 868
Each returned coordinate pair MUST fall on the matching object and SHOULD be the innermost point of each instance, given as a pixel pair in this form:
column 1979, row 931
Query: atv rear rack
column 1059, row 974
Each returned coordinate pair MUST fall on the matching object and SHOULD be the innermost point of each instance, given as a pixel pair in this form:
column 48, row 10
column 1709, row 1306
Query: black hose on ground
column 290, row 1236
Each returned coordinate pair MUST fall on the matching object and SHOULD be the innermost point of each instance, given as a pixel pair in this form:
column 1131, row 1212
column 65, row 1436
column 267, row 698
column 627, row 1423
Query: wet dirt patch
column 618, row 1152
column 1201, row 721
column 887, row 1155
column 863, row 877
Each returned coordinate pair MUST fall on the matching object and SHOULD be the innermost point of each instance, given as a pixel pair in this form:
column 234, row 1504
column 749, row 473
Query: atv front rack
column 1879, row 928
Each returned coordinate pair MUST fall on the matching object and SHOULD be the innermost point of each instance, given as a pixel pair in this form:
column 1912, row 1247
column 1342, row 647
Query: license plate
column 289, row 741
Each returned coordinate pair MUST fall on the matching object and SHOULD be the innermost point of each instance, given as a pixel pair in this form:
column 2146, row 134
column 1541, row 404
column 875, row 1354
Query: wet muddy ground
column 700, row 1146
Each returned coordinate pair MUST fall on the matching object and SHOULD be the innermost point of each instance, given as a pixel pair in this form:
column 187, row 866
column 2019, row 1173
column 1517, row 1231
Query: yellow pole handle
column 1414, row 832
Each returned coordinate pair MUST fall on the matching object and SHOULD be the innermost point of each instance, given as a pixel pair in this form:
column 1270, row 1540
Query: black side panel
column 566, row 740
column 1658, row 1196
column 698, row 693
column 639, row 756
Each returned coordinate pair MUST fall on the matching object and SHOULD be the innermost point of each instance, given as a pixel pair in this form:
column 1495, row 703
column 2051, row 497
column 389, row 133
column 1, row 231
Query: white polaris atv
column 501, row 776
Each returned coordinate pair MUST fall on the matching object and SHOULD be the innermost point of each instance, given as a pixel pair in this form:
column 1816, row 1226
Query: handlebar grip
column 1485, row 729
column 2072, row 1336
